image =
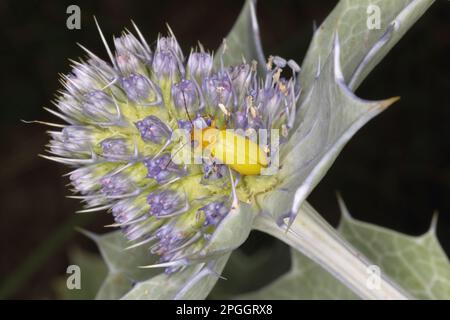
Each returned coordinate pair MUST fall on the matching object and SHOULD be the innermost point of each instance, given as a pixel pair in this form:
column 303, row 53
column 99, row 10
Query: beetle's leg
column 171, row 157
column 235, row 202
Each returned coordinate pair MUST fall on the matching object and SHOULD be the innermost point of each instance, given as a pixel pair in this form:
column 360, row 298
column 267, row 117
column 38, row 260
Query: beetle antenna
column 187, row 112
column 192, row 124
column 170, row 160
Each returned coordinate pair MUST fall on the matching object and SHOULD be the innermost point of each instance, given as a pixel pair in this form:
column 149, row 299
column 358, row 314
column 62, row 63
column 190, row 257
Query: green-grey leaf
column 114, row 286
column 418, row 264
column 113, row 246
column 123, row 264
column 194, row 282
column 246, row 272
column 231, row 232
column 305, row 281
column 330, row 116
column 243, row 41
column 362, row 48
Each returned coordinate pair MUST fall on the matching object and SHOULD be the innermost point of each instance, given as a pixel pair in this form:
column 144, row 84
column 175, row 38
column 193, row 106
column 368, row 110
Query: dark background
column 395, row 172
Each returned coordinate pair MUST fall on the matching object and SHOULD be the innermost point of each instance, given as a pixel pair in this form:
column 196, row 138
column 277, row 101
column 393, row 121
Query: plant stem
column 315, row 238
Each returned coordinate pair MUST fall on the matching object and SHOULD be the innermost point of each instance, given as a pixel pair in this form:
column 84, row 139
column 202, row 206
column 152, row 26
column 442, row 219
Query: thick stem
column 315, row 238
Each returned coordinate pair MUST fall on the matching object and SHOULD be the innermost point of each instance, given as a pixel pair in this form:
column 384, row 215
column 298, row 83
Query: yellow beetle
column 239, row 152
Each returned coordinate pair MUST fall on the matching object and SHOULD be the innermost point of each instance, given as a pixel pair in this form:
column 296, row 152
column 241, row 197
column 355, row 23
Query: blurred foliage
column 93, row 273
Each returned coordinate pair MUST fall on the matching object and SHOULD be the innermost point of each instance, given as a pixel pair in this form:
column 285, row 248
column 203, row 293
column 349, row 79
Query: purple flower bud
column 133, row 217
column 218, row 89
column 169, row 238
column 255, row 123
column 201, row 123
column 77, row 134
column 100, row 106
column 123, row 211
column 137, row 87
column 185, row 96
column 165, row 65
column 84, row 180
column 214, row 212
column 71, row 106
column 198, row 123
column 199, row 65
column 154, row 130
column 241, row 77
column 170, row 244
column 100, row 70
column 240, row 120
column 115, row 148
column 213, row 170
column 163, row 232
column 162, row 168
column 116, row 185
column 72, row 141
column 170, row 44
column 131, row 55
column 127, row 62
column 185, row 124
column 166, row 203
column 81, row 80
column 132, row 231
column 271, row 101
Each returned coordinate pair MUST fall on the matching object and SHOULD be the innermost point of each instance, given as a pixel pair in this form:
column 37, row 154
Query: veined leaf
column 418, row 264
column 362, row 47
column 246, row 272
column 305, row 281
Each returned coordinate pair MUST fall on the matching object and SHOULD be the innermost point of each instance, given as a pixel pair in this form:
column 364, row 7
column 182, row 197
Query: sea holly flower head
column 121, row 117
